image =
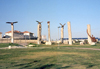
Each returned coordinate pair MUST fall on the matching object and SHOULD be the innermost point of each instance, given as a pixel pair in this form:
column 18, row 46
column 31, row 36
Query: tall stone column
column 12, row 33
column 39, row 34
column 89, row 32
column 12, row 30
column 40, row 29
column 69, row 33
column 49, row 40
column 62, row 34
column 48, row 31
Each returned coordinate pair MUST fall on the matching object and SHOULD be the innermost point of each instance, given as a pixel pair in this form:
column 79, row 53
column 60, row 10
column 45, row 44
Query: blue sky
column 26, row 12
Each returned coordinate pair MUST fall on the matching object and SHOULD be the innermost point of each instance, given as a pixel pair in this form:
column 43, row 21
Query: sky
column 79, row 12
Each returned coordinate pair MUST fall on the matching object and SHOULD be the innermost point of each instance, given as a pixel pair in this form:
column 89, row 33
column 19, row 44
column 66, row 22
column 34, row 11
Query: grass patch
column 51, row 58
column 8, row 44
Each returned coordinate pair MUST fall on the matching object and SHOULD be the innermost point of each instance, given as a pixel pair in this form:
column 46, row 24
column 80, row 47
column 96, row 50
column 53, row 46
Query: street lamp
column 12, row 31
column 58, row 37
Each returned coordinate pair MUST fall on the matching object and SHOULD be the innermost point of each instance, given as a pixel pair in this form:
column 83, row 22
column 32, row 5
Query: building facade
column 18, row 34
column 0, row 35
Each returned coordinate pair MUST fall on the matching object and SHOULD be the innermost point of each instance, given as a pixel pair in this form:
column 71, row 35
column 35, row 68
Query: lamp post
column 58, row 37
column 12, row 31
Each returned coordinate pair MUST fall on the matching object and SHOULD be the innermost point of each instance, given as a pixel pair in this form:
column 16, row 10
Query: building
column 81, row 39
column 0, row 35
column 28, row 34
column 19, row 34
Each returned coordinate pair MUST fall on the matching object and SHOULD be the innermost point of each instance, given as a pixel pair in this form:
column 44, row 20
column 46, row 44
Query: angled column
column 89, row 32
column 69, row 33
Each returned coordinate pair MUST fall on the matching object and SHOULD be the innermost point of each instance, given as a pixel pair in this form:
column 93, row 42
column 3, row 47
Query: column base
column 93, row 43
column 39, row 42
column 48, row 43
column 62, row 40
column 65, row 41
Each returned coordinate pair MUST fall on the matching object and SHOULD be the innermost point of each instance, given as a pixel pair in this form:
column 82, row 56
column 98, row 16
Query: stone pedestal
column 81, row 43
column 89, row 32
column 93, row 43
column 48, row 43
column 73, row 41
column 69, row 33
column 65, row 41
column 9, row 47
column 39, row 42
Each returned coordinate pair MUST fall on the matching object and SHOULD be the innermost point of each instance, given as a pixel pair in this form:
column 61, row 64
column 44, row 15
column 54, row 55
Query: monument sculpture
column 49, row 41
column 69, row 33
column 62, row 32
column 39, row 33
column 89, row 32
column 12, row 32
column 92, row 38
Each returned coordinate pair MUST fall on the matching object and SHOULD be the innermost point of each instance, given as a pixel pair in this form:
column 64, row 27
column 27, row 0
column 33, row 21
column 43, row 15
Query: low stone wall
column 25, row 41
column 17, row 41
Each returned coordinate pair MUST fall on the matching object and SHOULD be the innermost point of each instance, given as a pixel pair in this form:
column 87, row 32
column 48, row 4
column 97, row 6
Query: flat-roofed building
column 0, row 35
column 28, row 34
column 19, row 34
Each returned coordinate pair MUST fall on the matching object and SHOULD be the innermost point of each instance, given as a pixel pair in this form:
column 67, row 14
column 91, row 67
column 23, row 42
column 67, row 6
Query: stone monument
column 62, row 32
column 39, row 32
column 89, row 33
column 69, row 33
column 91, row 39
column 49, row 40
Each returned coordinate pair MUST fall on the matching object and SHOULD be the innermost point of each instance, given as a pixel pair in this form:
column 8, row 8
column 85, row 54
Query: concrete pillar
column 69, row 33
column 49, row 32
column 40, row 28
column 49, row 40
column 12, row 33
column 89, row 32
column 62, row 34
column 0, row 35
column 39, row 33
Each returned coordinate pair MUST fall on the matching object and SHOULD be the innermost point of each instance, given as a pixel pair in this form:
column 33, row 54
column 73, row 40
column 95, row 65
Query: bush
column 86, row 41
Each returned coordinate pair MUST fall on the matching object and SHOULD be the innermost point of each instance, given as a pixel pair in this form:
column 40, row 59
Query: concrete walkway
column 14, row 47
